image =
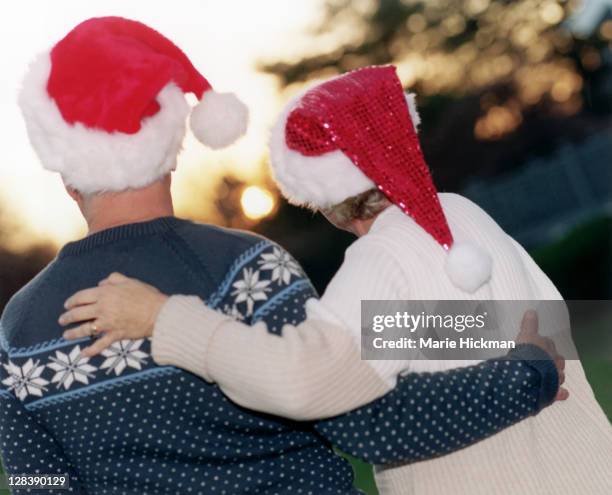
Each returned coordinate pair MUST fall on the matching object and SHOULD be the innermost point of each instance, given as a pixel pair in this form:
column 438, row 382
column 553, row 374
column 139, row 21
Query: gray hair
column 363, row 206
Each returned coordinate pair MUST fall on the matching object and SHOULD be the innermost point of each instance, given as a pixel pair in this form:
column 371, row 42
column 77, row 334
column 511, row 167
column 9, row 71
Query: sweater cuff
column 541, row 362
column 182, row 333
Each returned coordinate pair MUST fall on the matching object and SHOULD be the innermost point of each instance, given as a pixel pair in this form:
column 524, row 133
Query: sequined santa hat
column 106, row 108
column 357, row 132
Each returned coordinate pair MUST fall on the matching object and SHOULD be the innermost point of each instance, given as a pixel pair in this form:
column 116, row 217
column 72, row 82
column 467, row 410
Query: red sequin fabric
column 365, row 115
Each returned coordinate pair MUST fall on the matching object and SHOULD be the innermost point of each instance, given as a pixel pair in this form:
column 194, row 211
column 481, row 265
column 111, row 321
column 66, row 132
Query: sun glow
column 256, row 202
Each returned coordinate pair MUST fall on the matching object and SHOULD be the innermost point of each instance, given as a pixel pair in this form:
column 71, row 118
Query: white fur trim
column 412, row 108
column 219, row 119
column 316, row 182
column 322, row 181
column 468, row 266
column 92, row 160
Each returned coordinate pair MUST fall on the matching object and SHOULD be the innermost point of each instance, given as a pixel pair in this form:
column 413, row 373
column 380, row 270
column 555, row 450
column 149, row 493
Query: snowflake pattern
column 250, row 289
column 123, row 354
column 71, row 367
column 281, row 264
column 25, row 380
column 271, row 272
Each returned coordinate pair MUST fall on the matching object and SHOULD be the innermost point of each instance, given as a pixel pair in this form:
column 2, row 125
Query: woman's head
column 357, row 213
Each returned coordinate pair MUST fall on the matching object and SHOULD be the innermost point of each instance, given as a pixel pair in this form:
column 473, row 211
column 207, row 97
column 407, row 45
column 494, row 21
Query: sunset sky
column 224, row 41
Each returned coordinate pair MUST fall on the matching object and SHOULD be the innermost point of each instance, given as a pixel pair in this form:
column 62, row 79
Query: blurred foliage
column 456, row 47
column 580, row 264
column 496, row 81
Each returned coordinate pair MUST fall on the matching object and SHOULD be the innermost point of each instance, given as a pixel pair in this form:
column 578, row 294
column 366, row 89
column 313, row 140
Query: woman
column 349, row 148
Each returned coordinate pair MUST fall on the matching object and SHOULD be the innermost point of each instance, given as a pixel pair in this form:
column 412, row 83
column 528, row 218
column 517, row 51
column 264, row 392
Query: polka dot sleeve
column 432, row 414
column 26, row 448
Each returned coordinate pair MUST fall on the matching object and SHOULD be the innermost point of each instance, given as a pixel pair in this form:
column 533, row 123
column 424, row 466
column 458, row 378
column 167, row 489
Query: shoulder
column 216, row 248
column 251, row 270
column 457, row 207
column 391, row 239
column 215, row 238
column 372, row 265
column 20, row 305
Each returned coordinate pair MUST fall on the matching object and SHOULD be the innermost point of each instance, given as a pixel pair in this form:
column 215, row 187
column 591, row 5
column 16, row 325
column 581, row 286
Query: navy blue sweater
column 120, row 424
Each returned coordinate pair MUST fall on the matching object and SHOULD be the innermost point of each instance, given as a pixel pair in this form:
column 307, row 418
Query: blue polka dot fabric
column 431, row 414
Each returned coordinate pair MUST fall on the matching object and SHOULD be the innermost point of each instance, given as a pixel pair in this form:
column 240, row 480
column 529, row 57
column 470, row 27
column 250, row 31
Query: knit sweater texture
column 119, row 423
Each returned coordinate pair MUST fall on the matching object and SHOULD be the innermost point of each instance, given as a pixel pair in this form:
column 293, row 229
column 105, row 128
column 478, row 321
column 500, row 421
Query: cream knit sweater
column 566, row 449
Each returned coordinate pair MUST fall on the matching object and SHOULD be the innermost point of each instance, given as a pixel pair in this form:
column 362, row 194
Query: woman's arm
column 314, row 370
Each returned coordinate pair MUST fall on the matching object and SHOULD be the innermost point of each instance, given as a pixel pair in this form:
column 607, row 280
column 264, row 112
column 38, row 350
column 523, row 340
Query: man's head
column 106, row 108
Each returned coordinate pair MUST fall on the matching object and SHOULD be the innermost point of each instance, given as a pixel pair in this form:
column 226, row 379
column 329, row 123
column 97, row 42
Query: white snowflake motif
column 233, row 312
column 250, row 289
column 70, row 367
column 122, row 354
column 281, row 263
column 25, row 380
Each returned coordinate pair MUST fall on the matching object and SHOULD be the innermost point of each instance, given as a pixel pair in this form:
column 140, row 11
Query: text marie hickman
column 446, row 343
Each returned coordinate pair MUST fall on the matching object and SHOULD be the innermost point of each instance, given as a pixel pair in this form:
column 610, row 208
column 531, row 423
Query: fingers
column 78, row 314
column 81, row 331
column 115, row 278
column 562, row 394
column 86, row 296
column 529, row 324
column 99, row 345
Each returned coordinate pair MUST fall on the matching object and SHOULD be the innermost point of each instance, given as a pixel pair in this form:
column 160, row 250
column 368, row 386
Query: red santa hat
column 106, row 107
column 356, row 132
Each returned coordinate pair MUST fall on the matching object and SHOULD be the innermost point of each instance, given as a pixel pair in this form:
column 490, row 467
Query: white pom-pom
column 219, row 119
column 468, row 266
column 412, row 108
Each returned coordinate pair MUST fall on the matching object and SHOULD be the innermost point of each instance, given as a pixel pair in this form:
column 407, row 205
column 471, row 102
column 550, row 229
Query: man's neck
column 110, row 222
column 114, row 209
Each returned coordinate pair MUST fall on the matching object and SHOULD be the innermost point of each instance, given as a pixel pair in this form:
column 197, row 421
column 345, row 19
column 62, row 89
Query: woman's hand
column 119, row 308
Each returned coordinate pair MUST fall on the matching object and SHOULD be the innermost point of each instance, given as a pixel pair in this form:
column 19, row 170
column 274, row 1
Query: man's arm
column 432, row 414
column 26, row 447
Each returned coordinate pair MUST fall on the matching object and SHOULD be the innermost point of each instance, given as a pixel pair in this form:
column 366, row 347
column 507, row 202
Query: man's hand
column 529, row 335
column 119, row 308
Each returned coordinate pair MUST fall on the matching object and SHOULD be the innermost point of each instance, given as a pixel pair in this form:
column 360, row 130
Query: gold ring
column 93, row 330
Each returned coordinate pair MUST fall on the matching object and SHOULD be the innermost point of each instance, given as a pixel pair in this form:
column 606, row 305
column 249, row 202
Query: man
column 105, row 108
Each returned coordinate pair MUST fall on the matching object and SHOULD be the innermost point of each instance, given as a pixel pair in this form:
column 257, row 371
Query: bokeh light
column 256, row 202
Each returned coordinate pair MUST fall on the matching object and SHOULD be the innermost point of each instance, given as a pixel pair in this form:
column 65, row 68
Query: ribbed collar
column 391, row 215
column 128, row 231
